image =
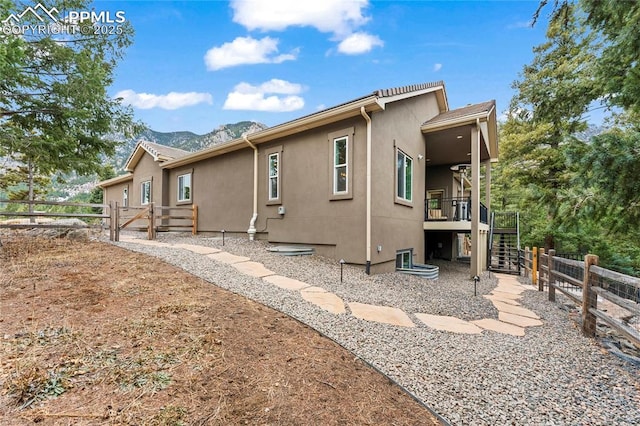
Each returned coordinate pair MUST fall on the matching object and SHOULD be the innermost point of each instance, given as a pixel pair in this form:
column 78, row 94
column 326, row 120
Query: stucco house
column 383, row 180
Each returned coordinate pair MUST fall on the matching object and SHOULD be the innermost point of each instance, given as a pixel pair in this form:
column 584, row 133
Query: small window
column 404, row 259
column 274, row 176
column 340, row 165
column 145, row 192
column 125, row 197
column 184, row 187
column 404, row 178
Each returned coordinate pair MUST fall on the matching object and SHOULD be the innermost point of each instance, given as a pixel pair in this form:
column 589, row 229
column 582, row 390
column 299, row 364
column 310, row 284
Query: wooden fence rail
column 155, row 218
column 31, row 215
column 114, row 216
column 583, row 282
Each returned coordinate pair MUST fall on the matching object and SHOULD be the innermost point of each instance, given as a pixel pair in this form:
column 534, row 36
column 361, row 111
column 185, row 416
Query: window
column 274, row 176
column 184, row 187
column 340, row 154
column 340, row 165
column 404, row 169
column 125, row 197
column 145, row 192
column 404, row 259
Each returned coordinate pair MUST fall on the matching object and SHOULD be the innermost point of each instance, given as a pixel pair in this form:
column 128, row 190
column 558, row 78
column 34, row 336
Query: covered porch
column 461, row 145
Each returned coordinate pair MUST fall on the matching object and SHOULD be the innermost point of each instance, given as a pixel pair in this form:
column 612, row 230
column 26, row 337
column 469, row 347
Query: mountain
column 70, row 186
column 187, row 141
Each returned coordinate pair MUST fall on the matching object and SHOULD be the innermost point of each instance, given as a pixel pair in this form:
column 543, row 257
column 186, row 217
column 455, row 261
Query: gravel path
column 551, row 376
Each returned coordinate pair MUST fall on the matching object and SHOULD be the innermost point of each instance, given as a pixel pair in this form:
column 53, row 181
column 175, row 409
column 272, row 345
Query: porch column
column 476, row 264
column 487, row 184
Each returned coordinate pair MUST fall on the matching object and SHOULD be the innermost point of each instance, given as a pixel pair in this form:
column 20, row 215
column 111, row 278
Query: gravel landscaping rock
column 550, row 376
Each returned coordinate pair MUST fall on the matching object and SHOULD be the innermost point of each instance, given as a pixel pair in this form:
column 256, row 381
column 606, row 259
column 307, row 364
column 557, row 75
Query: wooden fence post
column 116, row 220
column 526, row 261
column 194, row 225
column 534, row 266
column 112, row 232
column 589, row 298
column 540, row 270
column 152, row 222
column 552, row 289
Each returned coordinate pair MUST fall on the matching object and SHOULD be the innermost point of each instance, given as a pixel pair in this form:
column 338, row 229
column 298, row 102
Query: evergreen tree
column 552, row 96
column 54, row 107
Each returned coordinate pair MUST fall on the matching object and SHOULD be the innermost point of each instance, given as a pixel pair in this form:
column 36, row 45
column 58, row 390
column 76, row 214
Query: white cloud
column 172, row 100
column 359, row 43
column 437, row 67
column 330, row 16
column 254, row 98
column 246, row 50
column 520, row 24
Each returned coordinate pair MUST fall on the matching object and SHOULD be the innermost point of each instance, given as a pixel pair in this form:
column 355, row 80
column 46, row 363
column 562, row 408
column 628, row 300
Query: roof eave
column 488, row 117
column 352, row 109
column 133, row 159
column 441, row 96
column 113, row 181
column 455, row 122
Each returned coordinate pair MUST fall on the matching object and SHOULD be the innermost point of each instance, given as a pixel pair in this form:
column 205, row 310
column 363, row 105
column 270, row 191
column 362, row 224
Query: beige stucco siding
column 312, row 215
column 114, row 194
column 146, row 169
column 397, row 225
column 222, row 188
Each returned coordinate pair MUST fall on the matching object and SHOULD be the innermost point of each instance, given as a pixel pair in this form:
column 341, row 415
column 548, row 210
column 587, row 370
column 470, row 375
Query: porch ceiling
column 452, row 146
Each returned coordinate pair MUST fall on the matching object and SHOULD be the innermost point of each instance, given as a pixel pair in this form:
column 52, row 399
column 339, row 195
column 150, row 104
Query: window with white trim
column 340, row 165
column 184, row 187
column 274, row 176
column 125, row 196
column 404, row 176
column 145, row 192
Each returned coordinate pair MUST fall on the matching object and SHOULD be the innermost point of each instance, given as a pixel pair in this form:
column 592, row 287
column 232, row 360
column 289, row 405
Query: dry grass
column 93, row 334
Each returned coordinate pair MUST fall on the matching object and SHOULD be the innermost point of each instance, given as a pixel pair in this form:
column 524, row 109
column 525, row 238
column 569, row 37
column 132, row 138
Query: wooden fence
column 583, row 282
column 151, row 218
column 34, row 215
column 154, row 218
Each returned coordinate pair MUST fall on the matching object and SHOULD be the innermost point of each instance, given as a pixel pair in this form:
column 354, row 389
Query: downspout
column 368, row 214
column 252, row 224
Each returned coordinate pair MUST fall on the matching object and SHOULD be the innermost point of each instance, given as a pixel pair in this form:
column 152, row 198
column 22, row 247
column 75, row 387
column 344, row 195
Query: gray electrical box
column 281, row 210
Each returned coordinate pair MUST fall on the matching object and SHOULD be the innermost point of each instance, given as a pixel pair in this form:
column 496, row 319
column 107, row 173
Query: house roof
column 407, row 89
column 460, row 114
column 482, row 114
column 375, row 101
column 160, row 153
column 115, row 180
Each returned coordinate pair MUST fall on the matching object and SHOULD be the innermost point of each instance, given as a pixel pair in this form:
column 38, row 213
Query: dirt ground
column 93, row 334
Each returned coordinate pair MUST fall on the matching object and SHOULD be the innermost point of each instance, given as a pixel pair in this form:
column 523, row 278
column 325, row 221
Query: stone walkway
column 512, row 317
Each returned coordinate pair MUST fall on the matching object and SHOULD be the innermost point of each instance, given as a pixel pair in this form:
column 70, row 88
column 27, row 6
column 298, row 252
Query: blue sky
column 195, row 65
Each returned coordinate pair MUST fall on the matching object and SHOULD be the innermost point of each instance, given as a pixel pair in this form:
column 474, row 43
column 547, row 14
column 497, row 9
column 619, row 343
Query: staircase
column 504, row 242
